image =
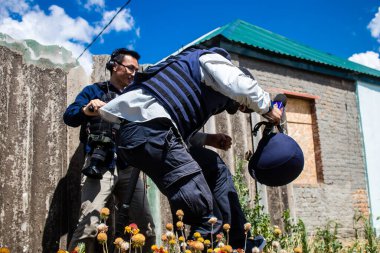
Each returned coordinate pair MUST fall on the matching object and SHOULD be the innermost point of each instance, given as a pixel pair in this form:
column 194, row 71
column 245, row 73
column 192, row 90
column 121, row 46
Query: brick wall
column 344, row 185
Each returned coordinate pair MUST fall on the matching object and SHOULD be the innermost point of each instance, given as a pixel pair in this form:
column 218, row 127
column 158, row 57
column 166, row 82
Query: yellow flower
column 227, row 248
column 138, row 240
column 200, row 239
column 104, row 213
column 217, row 250
column 297, row 250
column 210, row 250
column 179, row 225
column 181, row 239
column 187, row 251
column 169, row 226
column 154, row 247
column 127, row 229
column 135, row 231
column 172, row 242
column 277, row 232
column 59, row 251
column 197, row 235
column 247, row 227
column 179, row 214
column 207, row 243
column 164, row 238
column 212, row 220
column 226, row 227
column 102, row 237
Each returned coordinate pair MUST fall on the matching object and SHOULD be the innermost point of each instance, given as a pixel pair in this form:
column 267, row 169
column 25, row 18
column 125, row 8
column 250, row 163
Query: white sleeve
column 221, row 75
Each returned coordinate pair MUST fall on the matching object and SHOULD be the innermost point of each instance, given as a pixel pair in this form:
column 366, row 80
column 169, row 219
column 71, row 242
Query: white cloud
column 123, row 21
column 57, row 28
column 54, row 28
column 370, row 59
column 8, row 7
column 374, row 26
column 96, row 4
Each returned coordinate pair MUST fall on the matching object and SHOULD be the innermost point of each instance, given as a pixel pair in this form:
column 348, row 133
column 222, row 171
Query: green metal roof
column 251, row 35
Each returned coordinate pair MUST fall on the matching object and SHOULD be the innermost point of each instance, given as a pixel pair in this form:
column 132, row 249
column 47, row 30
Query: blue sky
column 157, row 28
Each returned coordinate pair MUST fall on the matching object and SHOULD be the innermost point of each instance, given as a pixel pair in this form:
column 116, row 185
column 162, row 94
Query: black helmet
column 277, row 161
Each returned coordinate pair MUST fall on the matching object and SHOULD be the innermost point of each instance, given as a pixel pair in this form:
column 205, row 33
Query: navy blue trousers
column 198, row 182
column 219, row 180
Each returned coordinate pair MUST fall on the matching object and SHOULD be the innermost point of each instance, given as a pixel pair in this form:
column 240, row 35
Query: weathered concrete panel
column 32, row 148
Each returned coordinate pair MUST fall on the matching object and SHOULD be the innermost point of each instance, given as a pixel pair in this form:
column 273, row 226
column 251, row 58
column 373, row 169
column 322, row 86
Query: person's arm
column 220, row 141
column 224, row 77
column 79, row 111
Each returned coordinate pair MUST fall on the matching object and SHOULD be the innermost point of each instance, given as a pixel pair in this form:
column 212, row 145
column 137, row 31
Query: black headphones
column 117, row 56
column 113, row 60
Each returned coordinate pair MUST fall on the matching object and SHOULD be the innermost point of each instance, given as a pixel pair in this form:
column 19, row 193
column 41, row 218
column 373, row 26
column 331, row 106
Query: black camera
column 101, row 142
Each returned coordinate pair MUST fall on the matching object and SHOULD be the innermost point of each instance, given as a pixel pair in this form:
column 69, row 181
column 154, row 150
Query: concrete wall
column 32, row 154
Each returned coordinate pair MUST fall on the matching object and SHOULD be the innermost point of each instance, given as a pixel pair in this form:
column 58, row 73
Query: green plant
column 253, row 210
column 326, row 239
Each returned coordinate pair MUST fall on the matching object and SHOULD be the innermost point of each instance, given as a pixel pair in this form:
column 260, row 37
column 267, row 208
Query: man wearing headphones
column 104, row 178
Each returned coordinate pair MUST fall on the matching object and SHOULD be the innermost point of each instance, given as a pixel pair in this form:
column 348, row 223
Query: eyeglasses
column 131, row 68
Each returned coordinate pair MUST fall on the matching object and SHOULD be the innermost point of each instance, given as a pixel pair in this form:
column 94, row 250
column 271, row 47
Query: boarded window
column 301, row 125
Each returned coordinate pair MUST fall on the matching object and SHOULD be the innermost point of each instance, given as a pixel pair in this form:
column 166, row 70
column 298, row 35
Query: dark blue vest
column 176, row 84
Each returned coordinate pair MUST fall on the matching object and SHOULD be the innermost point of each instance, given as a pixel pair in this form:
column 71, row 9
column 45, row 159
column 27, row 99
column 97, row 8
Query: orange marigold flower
column 59, row 251
column 187, row 251
column 297, row 250
column 169, row 226
column 226, row 227
column 102, row 237
column 118, row 241
column 154, row 247
column 164, row 238
column 227, row 248
column 197, row 235
column 200, row 239
column 75, row 250
column 212, row 220
column 197, row 245
column 179, row 214
column 138, row 240
column 104, row 212
column 179, row 225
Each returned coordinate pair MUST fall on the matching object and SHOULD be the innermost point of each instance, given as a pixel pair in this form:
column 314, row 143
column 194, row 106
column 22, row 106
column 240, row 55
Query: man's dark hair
column 117, row 56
